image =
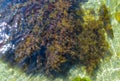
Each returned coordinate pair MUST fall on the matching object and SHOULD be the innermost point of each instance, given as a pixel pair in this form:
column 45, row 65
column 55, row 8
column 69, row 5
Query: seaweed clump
column 54, row 35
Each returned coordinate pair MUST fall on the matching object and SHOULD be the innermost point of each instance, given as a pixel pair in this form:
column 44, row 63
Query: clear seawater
column 109, row 69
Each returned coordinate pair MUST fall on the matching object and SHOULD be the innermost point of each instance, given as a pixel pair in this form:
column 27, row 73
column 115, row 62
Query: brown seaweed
column 59, row 36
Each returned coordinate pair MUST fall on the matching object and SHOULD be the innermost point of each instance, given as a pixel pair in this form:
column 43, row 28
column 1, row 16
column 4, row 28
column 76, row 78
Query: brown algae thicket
column 54, row 35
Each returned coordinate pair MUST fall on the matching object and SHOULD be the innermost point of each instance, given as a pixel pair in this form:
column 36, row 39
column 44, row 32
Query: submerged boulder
column 51, row 36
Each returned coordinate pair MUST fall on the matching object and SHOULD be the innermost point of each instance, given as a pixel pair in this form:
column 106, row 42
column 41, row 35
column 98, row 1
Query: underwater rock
column 52, row 36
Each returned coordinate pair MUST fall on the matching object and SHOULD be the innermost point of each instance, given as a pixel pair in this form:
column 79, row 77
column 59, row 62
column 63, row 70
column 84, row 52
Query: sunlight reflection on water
column 4, row 36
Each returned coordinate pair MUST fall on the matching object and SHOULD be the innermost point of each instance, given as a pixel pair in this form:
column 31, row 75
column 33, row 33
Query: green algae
column 81, row 79
column 117, row 16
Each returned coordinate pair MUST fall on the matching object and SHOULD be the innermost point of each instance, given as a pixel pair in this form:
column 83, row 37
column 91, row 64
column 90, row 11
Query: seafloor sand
column 108, row 71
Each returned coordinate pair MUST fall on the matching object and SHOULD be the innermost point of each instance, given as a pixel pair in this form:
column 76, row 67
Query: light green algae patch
column 81, row 79
column 117, row 16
